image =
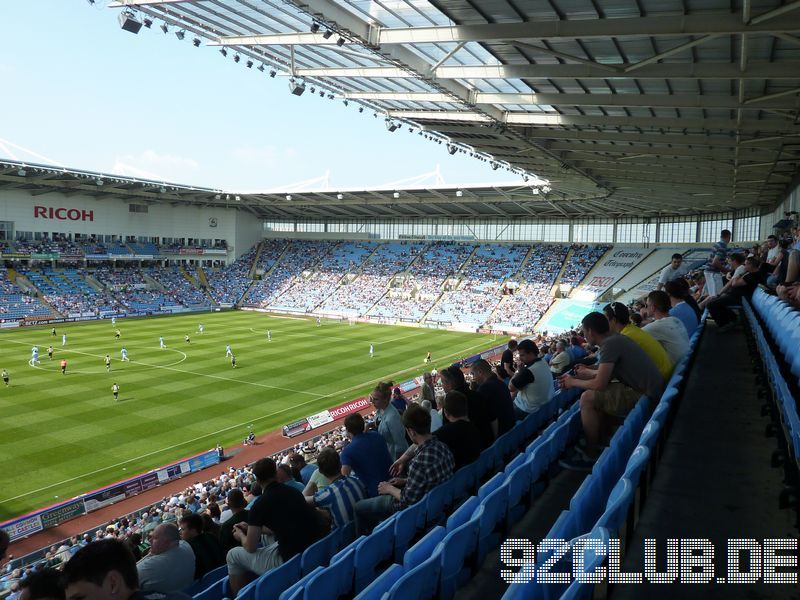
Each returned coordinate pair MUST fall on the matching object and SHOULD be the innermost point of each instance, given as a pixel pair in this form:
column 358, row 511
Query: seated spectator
column 431, row 465
column 496, row 393
column 340, row 497
column 481, row 411
column 668, row 330
column 106, row 570
column 560, row 361
column 624, row 373
column 170, row 565
column 674, row 270
column 298, row 462
column 681, row 308
column 43, row 584
column 532, row 385
column 576, row 349
column 286, row 477
column 619, row 320
column 436, row 418
column 457, row 432
column 506, row 370
column 5, row 541
column 294, row 526
column 238, row 507
column 719, row 309
column 366, row 456
column 390, row 424
column 208, row 551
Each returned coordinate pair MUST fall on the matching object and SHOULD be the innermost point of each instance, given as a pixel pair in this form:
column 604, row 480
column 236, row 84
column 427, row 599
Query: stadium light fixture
column 148, row 22
column 361, row 109
column 288, row 197
column 459, row 193
column 321, row 94
column 164, row 28
column 261, row 67
column 22, row 172
column 236, row 58
column 217, row 197
column 98, row 181
column 297, row 87
column 238, row 198
column 345, row 102
column 391, row 126
column 223, row 51
column 129, row 22
column 196, row 42
column 495, row 166
column 340, row 42
column 180, row 34
column 272, row 72
column 249, row 64
column 396, row 195
column 451, row 149
column 327, row 35
column 163, row 190
column 535, row 191
column 340, row 196
column 314, row 27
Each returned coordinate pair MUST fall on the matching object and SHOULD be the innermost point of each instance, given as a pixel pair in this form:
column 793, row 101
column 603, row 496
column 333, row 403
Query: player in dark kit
column 186, row 337
column 233, row 361
column 117, row 333
column 53, row 332
column 5, row 377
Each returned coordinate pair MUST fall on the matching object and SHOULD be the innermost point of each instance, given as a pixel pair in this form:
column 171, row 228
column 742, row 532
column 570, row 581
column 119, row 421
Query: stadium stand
column 15, row 304
column 228, row 284
column 581, row 261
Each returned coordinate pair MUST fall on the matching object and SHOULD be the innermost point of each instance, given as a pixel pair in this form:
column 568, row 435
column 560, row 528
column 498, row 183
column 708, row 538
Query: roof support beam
column 721, row 23
column 712, row 71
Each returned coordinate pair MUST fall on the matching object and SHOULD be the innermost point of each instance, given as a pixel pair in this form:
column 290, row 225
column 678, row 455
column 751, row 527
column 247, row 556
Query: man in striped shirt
column 340, row 497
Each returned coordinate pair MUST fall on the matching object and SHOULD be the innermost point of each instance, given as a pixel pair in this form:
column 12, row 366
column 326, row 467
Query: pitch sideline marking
column 213, row 433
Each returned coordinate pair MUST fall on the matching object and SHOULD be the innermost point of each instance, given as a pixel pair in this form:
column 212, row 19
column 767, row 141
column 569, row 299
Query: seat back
column 419, row 583
column 423, row 549
column 406, row 525
column 272, row 583
column 437, row 501
column 333, row 581
column 457, row 546
column 463, row 513
column 616, row 511
column 319, row 553
column 372, row 551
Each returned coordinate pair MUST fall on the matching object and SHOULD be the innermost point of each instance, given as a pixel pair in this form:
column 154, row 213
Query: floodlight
column 345, row 102
column 180, row 34
column 98, row 181
column 289, row 197
column 223, row 51
column 22, row 172
column 164, row 28
column 249, row 64
column 451, row 149
column 391, row 126
column 340, row 196
column 396, row 195
column 272, row 73
column 297, row 87
column 495, row 166
column 314, row 27
column 238, row 198
column 261, row 67
column 327, row 35
column 148, row 22
column 129, row 22
column 196, row 42
column 459, row 193
column 236, row 58
column 340, row 42
column 361, row 109
column 321, row 94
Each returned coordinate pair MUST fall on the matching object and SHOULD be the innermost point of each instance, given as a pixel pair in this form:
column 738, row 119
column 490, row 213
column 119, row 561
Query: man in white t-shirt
column 532, row 384
column 668, row 330
column 675, row 269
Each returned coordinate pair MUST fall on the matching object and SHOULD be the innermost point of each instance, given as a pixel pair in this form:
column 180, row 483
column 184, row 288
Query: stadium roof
column 639, row 105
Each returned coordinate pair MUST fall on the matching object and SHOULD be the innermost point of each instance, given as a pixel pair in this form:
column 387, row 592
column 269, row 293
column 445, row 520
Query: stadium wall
column 110, row 216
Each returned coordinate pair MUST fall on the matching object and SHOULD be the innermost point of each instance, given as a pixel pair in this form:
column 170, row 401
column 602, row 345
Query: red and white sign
column 62, row 214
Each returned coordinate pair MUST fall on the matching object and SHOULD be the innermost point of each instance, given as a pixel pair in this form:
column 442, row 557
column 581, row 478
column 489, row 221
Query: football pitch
column 63, row 435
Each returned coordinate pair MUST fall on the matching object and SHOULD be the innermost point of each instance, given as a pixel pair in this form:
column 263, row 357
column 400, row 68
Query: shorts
column 617, row 399
column 241, row 561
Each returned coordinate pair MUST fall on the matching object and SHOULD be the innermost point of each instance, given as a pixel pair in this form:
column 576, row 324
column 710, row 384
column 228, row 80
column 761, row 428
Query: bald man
column 170, row 565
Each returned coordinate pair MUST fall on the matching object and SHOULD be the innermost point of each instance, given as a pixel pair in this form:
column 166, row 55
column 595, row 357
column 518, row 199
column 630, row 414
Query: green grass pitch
column 61, row 436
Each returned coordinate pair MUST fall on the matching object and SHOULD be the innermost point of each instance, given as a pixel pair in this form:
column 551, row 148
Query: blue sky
column 80, row 92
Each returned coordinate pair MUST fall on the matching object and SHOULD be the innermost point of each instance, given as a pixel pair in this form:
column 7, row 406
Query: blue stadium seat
column 333, row 581
column 485, row 463
column 319, row 553
column 272, row 583
column 372, row 552
column 519, row 488
column 408, row 522
column 636, row 464
column 465, row 481
column 420, row 583
column 297, row 590
column 209, row 579
column 424, row 548
column 491, row 518
column 491, row 485
column 382, row 584
column 616, row 511
column 437, row 501
column 215, row 591
column 457, row 547
column 463, row 513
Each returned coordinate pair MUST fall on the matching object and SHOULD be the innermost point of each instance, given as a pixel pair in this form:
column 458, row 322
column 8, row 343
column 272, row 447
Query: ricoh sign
column 62, row 214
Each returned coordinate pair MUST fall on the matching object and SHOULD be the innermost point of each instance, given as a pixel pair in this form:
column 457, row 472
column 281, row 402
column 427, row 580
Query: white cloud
column 152, row 165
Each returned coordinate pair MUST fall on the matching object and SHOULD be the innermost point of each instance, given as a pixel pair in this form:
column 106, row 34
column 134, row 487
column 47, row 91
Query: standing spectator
column 480, row 411
column 426, row 391
column 717, row 263
column 436, row 418
column 238, row 507
column 341, row 496
column 496, row 393
column 458, row 433
column 208, row 551
column 532, row 385
column 170, row 565
column 431, row 465
column 668, row 330
column 390, row 424
column 619, row 319
column 398, row 400
column 624, row 373
column 674, row 270
column 293, row 526
column 366, row 456
column 506, row 370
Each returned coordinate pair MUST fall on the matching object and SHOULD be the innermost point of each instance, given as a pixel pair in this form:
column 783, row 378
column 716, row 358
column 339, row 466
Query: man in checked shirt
column 432, row 464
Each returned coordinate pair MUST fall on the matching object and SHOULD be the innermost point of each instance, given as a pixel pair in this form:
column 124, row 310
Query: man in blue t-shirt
column 366, row 456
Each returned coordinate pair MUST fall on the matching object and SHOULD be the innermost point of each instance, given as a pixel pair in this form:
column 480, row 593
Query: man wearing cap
column 532, row 384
